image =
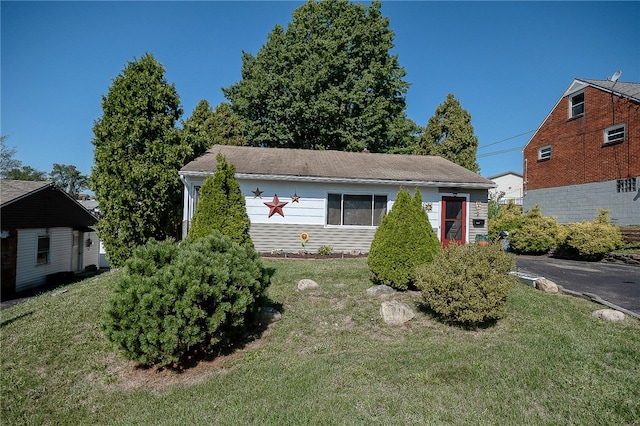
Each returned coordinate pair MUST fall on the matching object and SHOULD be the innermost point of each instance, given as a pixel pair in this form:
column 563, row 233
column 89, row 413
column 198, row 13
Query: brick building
column 585, row 155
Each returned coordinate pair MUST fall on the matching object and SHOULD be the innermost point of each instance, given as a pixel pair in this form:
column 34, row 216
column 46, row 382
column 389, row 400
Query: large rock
column 269, row 314
column 546, row 285
column 609, row 315
column 307, row 284
column 380, row 290
column 396, row 313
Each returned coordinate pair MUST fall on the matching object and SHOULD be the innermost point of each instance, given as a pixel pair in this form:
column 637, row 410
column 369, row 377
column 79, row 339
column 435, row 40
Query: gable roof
column 337, row 166
column 505, row 174
column 27, row 204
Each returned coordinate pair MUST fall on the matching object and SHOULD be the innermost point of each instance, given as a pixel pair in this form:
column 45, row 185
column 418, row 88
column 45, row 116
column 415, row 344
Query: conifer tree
column 403, row 241
column 221, row 206
column 449, row 134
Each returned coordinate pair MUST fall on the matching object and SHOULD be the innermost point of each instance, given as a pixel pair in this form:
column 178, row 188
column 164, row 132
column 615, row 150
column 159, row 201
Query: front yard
column 329, row 360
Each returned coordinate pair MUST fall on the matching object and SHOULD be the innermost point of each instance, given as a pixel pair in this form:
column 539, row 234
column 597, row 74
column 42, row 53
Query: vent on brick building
column 626, row 185
column 614, row 134
column 544, row 153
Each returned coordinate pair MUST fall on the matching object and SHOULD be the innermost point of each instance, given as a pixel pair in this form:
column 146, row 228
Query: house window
column 544, row 153
column 577, row 104
column 626, row 185
column 43, row 255
column 356, row 210
column 614, row 134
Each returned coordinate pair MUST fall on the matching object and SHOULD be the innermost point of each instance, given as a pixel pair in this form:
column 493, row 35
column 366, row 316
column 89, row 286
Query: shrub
column 325, row 250
column 221, row 206
column 590, row 240
column 174, row 300
column 403, row 241
column 537, row 234
column 467, row 284
column 508, row 218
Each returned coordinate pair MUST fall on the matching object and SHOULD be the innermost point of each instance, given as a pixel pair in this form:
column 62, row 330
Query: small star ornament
column 257, row 193
column 276, row 206
column 295, row 198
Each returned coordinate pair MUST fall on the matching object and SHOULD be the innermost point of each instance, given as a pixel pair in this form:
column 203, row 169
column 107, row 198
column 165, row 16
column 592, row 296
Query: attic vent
column 614, row 134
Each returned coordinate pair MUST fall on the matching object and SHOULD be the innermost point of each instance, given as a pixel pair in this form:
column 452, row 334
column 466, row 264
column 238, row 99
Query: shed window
column 43, row 257
column 577, row 104
column 356, row 210
column 614, row 134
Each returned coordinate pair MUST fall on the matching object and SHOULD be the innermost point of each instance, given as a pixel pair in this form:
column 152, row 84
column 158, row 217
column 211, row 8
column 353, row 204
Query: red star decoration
column 276, row 206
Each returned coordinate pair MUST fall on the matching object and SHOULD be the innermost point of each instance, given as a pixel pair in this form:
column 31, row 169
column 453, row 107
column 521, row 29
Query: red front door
column 454, row 217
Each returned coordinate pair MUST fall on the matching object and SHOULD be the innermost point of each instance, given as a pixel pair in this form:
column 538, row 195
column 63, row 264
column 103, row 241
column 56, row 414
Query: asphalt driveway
column 616, row 284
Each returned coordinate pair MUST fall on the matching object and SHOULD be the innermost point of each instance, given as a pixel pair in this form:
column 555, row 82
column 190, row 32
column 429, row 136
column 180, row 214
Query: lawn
column 329, row 360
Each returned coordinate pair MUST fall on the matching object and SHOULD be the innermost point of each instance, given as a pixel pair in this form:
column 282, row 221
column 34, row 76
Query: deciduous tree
column 449, row 134
column 68, row 178
column 137, row 156
column 328, row 81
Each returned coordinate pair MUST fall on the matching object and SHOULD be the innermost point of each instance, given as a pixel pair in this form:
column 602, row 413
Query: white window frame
column 615, row 134
column 346, row 194
column 544, row 152
column 576, row 105
column 43, row 256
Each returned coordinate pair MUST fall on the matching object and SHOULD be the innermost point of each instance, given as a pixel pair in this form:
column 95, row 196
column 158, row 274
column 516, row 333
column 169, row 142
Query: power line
column 500, row 152
column 507, row 139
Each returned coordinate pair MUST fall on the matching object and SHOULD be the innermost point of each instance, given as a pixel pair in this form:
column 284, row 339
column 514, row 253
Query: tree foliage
column 68, row 178
column 449, row 134
column 326, row 82
column 136, row 158
column 404, row 240
column 12, row 168
column 221, row 207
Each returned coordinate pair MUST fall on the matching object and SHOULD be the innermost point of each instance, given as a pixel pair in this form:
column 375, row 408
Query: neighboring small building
column 339, row 198
column 585, row 155
column 509, row 185
column 44, row 232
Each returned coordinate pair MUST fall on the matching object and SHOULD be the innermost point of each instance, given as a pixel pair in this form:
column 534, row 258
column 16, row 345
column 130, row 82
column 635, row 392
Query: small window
column 544, row 153
column 356, row 210
column 614, row 134
column 626, row 185
column 577, row 104
column 43, row 256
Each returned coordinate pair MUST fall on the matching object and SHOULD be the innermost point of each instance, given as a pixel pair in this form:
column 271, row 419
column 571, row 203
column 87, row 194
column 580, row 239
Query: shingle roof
column 299, row 164
column 12, row 190
column 630, row 90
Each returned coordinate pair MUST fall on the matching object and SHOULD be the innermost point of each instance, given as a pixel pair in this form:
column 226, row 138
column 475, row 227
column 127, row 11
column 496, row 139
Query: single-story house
column 46, row 235
column 339, row 198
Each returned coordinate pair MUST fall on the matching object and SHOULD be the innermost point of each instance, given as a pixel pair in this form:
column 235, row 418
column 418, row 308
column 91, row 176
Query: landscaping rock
column 546, row 285
column 380, row 290
column 396, row 313
column 608, row 315
column 307, row 284
column 269, row 314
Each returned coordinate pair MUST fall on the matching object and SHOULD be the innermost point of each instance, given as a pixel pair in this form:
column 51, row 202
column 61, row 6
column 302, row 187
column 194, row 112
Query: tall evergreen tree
column 326, row 82
column 449, row 134
column 136, row 159
column 221, row 206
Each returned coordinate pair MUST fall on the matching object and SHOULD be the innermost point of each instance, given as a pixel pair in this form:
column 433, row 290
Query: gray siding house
column 339, row 198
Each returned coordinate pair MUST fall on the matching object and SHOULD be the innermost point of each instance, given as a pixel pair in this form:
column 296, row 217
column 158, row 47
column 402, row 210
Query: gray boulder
column 396, row 313
column 268, row 315
column 608, row 315
column 546, row 285
column 380, row 290
column 307, row 284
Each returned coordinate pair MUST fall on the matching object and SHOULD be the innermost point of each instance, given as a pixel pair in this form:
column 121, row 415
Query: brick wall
column 578, row 154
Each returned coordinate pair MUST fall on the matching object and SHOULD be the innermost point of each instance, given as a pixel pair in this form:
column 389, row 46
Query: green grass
column 329, row 360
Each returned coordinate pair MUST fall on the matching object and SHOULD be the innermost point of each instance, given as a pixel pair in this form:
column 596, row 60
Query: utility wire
column 507, row 139
column 488, row 154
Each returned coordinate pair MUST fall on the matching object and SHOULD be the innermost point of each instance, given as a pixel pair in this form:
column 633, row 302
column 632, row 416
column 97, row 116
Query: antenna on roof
column 616, row 75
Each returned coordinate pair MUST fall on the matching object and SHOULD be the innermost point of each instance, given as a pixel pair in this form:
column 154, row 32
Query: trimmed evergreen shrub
column 221, row 206
column 467, row 284
column 590, row 240
column 508, row 218
column 537, row 234
column 173, row 301
column 403, row 241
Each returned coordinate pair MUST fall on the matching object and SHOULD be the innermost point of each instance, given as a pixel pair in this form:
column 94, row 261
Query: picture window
column 356, row 210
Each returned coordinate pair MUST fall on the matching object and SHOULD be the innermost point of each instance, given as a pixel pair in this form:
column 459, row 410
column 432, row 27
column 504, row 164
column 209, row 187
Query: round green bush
column 508, row 218
column 176, row 300
column 467, row 284
column 590, row 240
column 537, row 234
column 403, row 241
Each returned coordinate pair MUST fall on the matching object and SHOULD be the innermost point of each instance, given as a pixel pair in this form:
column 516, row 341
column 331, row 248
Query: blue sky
column 508, row 63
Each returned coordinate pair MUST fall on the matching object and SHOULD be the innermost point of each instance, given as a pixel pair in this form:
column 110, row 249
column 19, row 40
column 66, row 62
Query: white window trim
column 48, row 252
column 612, row 130
column 542, row 149
column 572, row 105
column 342, row 195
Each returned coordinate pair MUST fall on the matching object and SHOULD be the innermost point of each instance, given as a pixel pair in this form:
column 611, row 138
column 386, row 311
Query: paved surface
column 616, row 284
